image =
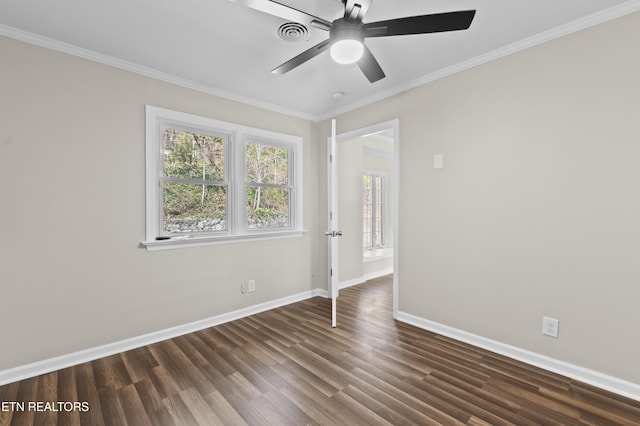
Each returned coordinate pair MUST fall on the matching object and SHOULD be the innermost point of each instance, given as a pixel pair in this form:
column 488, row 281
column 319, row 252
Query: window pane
column 267, row 207
column 373, row 212
column 366, row 212
column 378, row 233
column 378, row 212
column 266, row 164
column 192, row 208
column 192, row 156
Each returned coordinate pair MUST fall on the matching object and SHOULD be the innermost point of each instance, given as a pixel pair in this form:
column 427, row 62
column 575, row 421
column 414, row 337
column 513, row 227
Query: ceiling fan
column 347, row 34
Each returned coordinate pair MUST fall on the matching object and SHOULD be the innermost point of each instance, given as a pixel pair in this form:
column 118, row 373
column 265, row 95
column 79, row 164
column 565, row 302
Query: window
column 373, row 210
column 194, row 184
column 268, row 192
column 210, row 181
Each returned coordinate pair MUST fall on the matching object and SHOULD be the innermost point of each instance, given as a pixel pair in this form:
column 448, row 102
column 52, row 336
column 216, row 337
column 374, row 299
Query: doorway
column 367, row 195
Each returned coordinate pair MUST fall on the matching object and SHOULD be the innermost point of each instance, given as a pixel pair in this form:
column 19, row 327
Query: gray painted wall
column 536, row 210
column 72, row 176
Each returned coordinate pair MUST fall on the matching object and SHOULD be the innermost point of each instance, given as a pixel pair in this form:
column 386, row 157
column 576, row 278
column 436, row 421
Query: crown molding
column 555, row 33
column 549, row 35
column 91, row 55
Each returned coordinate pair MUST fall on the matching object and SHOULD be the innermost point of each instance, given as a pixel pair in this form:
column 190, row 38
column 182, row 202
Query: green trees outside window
column 194, row 187
column 267, row 185
column 195, row 183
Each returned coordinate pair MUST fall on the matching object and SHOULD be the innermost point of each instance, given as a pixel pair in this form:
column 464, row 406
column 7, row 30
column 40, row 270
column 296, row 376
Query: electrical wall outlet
column 248, row 286
column 550, row 327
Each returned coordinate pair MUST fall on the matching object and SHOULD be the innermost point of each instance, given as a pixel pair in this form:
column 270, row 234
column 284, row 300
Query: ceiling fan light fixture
column 347, row 41
column 347, row 51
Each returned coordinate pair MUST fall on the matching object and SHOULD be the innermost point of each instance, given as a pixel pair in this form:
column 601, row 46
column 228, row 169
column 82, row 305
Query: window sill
column 191, row 241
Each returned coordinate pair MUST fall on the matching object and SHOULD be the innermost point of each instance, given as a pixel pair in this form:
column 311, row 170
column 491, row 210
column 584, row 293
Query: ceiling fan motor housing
column 346, row 38
column 346, row 29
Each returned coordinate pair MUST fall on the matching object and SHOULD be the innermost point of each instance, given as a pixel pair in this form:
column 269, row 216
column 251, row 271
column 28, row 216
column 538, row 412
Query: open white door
column 333, row 233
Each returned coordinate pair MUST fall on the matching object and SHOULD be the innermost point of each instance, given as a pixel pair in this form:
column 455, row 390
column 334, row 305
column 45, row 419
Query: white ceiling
column 226, row 48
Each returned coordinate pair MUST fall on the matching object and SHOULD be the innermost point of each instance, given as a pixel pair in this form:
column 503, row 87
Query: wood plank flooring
column 288, row 366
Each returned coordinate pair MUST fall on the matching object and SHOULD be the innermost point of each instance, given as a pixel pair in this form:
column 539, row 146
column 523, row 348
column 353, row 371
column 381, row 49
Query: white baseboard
column 603, row 381
column 321, row 293
column 610, row 383
column 63, row 361
column 364, row 278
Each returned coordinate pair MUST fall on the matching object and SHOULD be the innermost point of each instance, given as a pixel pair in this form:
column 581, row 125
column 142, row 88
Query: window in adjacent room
column 373, row 210
column 210, row 181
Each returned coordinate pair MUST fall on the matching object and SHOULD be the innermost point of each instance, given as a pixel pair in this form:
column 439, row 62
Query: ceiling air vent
column 293, row 32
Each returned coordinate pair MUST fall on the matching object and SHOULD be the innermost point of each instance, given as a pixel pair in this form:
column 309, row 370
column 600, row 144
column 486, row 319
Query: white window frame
column 236, row 137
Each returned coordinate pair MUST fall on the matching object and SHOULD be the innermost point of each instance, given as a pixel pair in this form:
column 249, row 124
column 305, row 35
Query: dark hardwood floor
column 288, row 366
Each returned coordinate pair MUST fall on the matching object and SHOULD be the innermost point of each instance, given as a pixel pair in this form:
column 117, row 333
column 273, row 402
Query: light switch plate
column 438, row 161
